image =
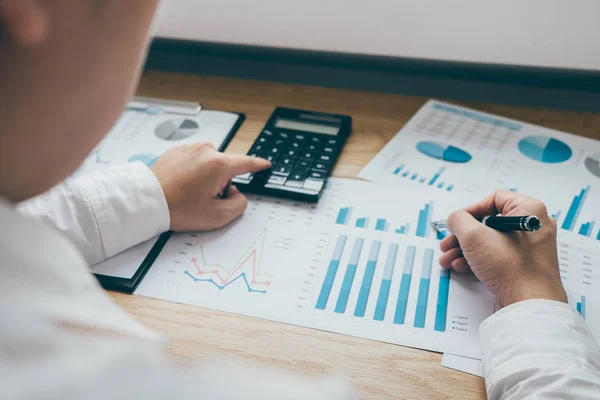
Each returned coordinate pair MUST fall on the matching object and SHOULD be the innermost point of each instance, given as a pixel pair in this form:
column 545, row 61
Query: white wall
column 549, row 33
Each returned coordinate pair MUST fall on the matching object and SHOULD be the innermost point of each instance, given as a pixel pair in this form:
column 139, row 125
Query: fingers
column 449, row 256
column 463, row 225
column 504, row 202
column 238, row 164
column 231, row 206
column 449, row 242
column 461, row 265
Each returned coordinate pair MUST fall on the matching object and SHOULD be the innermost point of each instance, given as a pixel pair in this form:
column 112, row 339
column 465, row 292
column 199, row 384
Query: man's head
column 67, row 68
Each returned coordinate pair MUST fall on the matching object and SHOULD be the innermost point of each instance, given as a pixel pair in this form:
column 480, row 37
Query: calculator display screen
column 306, row 127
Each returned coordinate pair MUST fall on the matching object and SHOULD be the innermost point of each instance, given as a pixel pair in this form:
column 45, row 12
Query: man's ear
column 25, row 22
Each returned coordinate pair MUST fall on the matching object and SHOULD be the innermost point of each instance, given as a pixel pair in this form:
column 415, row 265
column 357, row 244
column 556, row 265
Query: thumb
column 463, row 225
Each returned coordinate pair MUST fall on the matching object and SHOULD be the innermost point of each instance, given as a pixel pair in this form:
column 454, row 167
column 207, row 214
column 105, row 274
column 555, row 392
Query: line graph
column 221, row 287
column 246, row 268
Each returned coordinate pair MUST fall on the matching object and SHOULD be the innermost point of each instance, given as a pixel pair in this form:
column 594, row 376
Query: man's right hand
column 515, row 266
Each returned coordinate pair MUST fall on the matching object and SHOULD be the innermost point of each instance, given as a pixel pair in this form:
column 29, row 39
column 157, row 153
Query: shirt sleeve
column 539, row 349
column 105, row 212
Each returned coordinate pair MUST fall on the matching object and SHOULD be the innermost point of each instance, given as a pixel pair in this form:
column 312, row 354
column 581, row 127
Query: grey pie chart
column 176, row 129
column 592, row 163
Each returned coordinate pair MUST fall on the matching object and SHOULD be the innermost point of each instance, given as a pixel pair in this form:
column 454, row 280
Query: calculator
column 303, row 147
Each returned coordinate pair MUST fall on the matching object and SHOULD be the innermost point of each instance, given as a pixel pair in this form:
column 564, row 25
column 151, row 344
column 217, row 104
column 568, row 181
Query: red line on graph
column 233, row 273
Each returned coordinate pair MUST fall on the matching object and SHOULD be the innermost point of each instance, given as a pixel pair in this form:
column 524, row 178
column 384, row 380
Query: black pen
column 527, row 223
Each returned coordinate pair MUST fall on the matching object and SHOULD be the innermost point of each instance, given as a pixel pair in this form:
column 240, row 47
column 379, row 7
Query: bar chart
column 575, row 209
column 572, row 219
column 433, row 181
column 340, row 266
column 422, row 222
column 364, row 284
column 581, row 306
column 403, row 229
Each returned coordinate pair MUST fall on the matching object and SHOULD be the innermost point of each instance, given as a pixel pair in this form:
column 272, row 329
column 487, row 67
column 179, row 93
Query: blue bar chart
column 441, row 310
column 423, row 295
column 434, row 181
column 342, row 301
column 586, row 228
column 575, row 209
column 362, row 222
column 404, row 229
column 436, row 177
column 398, row 169
column 581, row 306
column 386, row 282
column 381, row 225
column 422, row 221
column 343, row 216
column 402, row 302
column 331, row 272
column 424, row 224
column 367, row 281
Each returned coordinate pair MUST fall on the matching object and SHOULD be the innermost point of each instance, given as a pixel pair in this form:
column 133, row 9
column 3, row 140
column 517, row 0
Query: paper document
column 451, row 148
column 471, row 366
column 363, row 262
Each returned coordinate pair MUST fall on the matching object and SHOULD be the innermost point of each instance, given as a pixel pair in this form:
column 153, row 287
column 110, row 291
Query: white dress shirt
column 62, row 337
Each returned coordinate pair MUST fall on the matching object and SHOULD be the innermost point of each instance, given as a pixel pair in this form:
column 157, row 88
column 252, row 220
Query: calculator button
column 317, row 174
column 267, row 133
column 288, row 161
column 331, row 142
column 316, row 139
column 280, row 142
column 272, row 158
column 274, row 150
column 297, row 177
column 291, row 152
column 313, row 184
column 277, row 180
column 245, row 177
column 257, row 147
column 309, row 155
column 296, row 145
column 323, row 166
column 312, row 147
column 328, row 150
column 324, row 157
column 300, row 137
column 255, row 154
column 304, row 163
column 282, row 169
column 283, row 135
column 262, row 140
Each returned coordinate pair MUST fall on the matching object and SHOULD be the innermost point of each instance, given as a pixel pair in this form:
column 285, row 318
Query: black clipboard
column 128, row 285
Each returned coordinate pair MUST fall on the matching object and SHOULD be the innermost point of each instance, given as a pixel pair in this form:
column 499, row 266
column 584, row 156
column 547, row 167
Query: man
column 67, row 69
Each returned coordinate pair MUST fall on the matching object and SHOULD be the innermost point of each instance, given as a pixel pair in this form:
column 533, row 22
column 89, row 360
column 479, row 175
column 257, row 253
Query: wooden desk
column 379, row 370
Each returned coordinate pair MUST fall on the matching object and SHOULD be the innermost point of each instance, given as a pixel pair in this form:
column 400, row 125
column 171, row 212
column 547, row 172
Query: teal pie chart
column 545, row 149
column 147, row 159
column 440, row 151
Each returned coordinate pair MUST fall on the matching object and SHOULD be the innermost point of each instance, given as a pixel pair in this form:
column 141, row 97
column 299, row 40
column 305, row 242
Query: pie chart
column 545, row 149
column 176, row 129
column 444, row 152
column 147, row 159
column 592, row 163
